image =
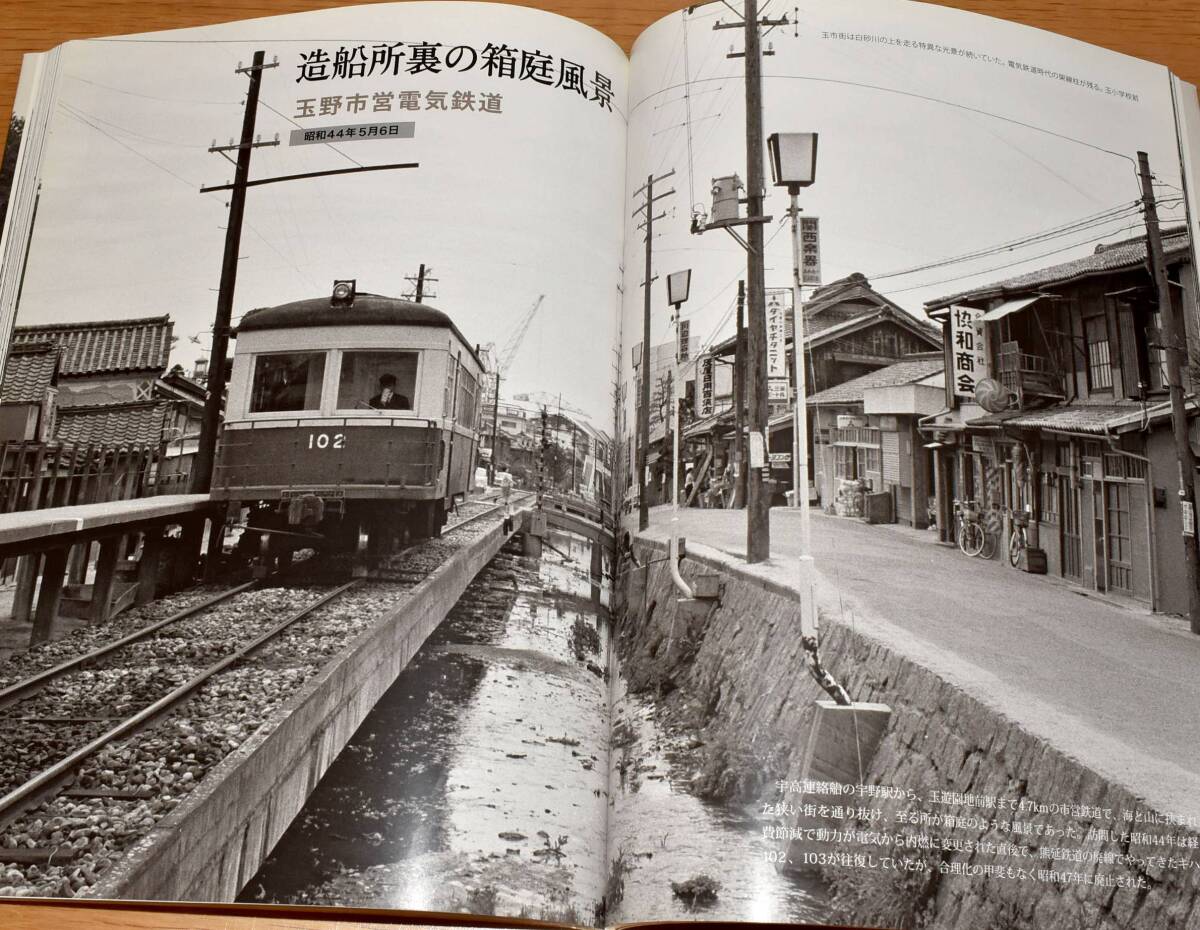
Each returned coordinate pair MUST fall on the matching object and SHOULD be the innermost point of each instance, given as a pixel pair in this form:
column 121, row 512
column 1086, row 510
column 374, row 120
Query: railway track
column 83, row 774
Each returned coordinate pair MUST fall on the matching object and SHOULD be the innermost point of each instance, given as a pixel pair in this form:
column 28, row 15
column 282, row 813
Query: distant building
column 867, row 440
column 850, row 330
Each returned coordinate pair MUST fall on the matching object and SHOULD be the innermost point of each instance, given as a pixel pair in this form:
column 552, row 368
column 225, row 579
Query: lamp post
column 678, row 286
column 793, row 157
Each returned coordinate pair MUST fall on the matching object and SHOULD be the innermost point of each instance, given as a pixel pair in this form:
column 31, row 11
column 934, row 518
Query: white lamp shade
column 793, row 158
column 678, row 285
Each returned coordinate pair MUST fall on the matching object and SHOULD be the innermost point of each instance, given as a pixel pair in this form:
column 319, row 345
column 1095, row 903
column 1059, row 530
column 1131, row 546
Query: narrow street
column 1113, row 686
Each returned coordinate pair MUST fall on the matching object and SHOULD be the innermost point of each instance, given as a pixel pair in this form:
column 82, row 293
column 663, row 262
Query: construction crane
column 499, row 365
column 509, row 352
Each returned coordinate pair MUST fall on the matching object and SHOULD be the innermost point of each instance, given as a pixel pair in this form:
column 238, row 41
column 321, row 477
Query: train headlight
column 343, row 294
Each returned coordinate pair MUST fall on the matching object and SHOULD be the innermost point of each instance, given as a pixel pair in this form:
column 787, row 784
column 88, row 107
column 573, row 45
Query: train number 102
column 327, row 440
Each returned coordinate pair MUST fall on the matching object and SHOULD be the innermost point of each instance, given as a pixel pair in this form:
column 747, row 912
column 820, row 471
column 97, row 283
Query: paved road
column 1118, row 684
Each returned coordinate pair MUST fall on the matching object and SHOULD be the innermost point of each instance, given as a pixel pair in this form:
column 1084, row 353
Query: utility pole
column 758, row 503
column 644, row 420
column 495, row 426
column 420, row 282
column 206, row 450
column 739, row 400
column 1174, row 342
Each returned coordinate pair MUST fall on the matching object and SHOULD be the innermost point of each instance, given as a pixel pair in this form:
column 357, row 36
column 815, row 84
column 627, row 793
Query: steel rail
column 450, row 528
column 23, row 689
column 31, row 792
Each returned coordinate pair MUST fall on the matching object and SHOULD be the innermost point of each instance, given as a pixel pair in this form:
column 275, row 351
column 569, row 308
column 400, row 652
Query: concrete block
column 841, row 745
column 707, row 586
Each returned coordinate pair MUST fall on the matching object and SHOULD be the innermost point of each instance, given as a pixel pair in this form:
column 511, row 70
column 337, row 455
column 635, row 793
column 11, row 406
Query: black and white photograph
column 452, row 469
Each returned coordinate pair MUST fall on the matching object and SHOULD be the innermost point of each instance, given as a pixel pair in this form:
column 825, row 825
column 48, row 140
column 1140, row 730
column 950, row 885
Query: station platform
column 54, row 525
column 54, row 548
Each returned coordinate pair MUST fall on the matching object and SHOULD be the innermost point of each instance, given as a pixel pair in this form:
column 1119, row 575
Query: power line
column 298, row 126
column 137, row 135
column 71, row 111
column 134, row 93
column 1022, row 261
column 1056, row 232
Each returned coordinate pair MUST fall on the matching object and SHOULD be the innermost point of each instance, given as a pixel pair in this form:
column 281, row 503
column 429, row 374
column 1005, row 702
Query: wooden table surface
column 1165, row 31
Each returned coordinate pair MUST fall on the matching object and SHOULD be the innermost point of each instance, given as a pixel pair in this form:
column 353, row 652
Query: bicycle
column 970, row 535
column 1017, row 540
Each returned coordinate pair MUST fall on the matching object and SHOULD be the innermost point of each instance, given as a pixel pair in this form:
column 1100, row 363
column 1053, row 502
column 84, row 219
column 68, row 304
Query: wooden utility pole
column 644, row 416
column 495, row 426
column 420, row 282
column 206, row 449
column 739, row 399
column 758, row 501
column 1174, row 339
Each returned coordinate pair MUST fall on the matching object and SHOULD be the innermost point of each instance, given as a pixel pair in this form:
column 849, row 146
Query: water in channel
column 481, row 782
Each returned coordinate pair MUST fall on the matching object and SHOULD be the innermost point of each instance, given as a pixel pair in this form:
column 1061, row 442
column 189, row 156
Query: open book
column 458, row 297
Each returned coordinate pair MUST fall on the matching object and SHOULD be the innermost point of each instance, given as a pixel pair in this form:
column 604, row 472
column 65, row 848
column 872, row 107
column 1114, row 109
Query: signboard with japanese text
column 352, row 133
column 706, row 386
column 968, row 349
column 810, row 250
column 779, row 306
column 685, row 338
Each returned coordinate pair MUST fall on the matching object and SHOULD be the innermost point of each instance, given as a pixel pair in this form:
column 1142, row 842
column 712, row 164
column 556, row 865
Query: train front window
column 287, row 382
column 378, row 381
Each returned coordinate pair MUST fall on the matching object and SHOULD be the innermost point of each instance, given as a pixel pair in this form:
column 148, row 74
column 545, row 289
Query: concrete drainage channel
column 209, row 846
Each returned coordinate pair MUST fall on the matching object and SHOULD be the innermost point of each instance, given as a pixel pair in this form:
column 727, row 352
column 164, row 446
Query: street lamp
column 678, row 286
column 793, row 157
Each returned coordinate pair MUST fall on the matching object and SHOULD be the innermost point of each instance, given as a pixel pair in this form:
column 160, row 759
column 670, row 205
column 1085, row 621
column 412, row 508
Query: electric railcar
column 352, row 417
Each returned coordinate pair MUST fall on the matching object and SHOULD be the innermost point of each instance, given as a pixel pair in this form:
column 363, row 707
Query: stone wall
column 737, row 678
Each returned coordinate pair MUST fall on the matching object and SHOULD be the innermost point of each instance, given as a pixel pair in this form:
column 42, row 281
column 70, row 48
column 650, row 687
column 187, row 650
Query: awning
column 1009, row 306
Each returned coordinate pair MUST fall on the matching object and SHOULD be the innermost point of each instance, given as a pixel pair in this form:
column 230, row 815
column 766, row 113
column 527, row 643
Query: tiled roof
column 1107, row 258
column 29, row 372
column 914, row 368
column 819, row 327
column 142, row 344
column 1065, row 418
column 113, row 424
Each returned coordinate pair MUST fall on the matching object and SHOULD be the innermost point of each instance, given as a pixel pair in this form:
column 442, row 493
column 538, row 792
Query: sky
column 503, row 208
column 923, row 155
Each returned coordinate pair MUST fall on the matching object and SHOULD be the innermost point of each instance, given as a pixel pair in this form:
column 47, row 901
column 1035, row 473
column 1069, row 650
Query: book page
column 961, row 729
column 421, row 310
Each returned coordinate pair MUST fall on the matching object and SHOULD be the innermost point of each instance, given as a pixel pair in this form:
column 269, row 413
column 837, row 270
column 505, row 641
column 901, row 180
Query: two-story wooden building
column 850, row 330
column 1056, row 408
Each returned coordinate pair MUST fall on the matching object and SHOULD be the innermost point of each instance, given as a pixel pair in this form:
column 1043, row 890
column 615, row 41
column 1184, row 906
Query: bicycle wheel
column 1015, row 545
column 987, row 547
column 973, row 539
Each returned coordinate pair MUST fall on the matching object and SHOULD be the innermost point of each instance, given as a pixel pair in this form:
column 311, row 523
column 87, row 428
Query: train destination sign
column 359, row 132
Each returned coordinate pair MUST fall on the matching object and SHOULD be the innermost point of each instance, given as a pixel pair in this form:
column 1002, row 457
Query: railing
column 34, row 475
column 1025, row 373
column 856, row 436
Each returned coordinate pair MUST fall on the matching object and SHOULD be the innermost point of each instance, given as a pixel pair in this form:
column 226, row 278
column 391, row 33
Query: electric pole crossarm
column 652, row 181
column 309, row 174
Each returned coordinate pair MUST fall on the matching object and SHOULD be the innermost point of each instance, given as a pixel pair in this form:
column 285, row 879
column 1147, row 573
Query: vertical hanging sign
column 779, row 305
column 810, row 250
column 968, row 349
column 706, row 386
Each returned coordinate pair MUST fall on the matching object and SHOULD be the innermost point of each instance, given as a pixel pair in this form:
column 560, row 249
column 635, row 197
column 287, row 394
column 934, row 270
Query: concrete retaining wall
column 739, row 676
column 210, row 846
